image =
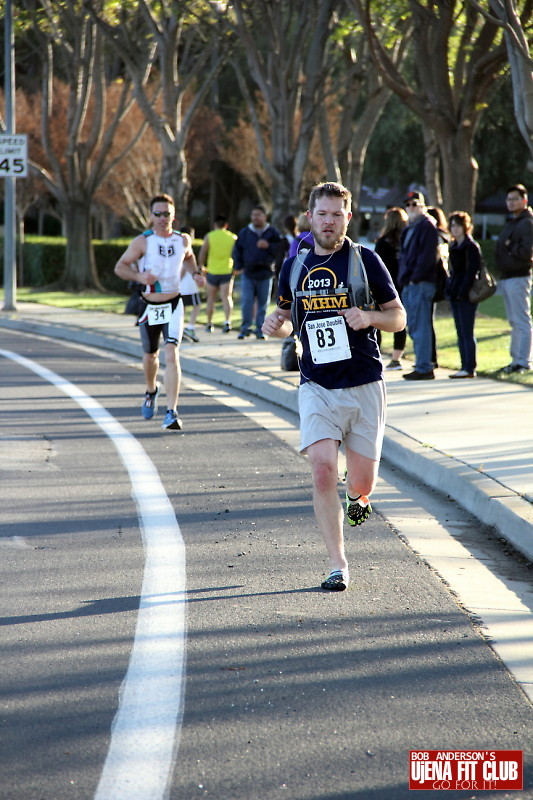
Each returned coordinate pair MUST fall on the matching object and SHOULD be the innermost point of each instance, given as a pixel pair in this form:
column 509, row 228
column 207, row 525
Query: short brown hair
column 330, row 189
column 463, row 219
column 162, row 198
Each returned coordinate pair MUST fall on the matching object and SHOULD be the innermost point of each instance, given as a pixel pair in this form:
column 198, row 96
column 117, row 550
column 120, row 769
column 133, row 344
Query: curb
column 482, row 496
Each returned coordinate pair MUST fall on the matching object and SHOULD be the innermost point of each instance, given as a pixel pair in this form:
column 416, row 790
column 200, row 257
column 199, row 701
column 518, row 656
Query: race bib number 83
column 328, row 340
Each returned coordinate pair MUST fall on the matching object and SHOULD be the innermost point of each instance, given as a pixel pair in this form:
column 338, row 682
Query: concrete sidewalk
column 472, row 439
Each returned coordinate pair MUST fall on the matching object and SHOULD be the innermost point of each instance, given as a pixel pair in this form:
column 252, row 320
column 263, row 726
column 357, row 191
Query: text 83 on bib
column 328, row 340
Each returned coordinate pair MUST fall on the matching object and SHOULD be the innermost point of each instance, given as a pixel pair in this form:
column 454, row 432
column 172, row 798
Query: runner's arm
column 390, row 318
column 202, row 255
column 278, row 323
column 126, row 267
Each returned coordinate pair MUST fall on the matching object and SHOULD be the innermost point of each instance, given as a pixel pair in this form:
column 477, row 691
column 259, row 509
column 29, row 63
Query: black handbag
column 483, row 287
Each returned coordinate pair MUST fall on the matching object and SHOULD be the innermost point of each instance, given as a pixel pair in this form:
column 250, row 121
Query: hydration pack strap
column 358, row 287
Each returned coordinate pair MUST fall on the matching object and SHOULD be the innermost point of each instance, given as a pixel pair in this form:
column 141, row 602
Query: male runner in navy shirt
column 342, row 392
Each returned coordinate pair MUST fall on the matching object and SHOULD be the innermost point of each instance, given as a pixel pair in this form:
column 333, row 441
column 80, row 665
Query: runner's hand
column 148, row 278
column 273, row 323
column 356, row 318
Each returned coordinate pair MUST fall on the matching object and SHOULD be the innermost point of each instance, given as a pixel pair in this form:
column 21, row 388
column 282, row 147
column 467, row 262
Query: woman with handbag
column 464, row 264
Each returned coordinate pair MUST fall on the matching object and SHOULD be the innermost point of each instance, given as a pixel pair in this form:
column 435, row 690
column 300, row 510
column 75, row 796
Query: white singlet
column 164, row 258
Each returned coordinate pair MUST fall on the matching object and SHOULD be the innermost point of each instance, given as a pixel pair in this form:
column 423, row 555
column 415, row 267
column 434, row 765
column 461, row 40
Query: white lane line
column 145, row 731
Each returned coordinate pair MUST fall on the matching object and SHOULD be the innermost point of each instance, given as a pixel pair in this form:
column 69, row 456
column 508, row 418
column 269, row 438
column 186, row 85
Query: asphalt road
column 288, row 691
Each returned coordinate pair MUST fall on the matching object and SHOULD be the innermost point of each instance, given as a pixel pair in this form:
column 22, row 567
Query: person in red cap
column 417, row 276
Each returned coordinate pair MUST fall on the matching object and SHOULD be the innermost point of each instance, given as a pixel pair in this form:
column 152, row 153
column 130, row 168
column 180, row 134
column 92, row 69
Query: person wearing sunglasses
column 157, row 259
column 417, row 275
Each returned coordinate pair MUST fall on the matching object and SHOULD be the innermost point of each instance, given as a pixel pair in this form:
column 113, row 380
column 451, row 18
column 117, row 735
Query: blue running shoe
column 172, row 422
column 149, row 406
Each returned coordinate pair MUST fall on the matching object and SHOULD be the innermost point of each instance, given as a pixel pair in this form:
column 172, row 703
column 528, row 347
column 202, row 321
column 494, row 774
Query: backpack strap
column 358, row 286
column 296, row 267
column 360, row 294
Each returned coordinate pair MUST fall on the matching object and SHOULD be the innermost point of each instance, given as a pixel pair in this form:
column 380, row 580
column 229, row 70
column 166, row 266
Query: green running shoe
column 358, row 510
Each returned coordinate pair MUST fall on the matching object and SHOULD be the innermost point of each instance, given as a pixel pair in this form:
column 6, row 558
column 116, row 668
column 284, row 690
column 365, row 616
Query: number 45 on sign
column 13, row 155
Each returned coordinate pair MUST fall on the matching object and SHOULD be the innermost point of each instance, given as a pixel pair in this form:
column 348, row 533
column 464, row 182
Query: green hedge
column 44, row 261
column 106, row 255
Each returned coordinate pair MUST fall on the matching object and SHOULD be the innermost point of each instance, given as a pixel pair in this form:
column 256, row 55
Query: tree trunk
column 174, row 179
column 369, row 118
column 355, row 179
column 354, row 183
column 333, row 170
column 460, row 171
column 432, row 167
column 80, row 266
column 282, row 202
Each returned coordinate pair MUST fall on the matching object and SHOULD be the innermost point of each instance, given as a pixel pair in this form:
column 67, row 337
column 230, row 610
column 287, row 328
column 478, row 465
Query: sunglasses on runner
column 161, row 213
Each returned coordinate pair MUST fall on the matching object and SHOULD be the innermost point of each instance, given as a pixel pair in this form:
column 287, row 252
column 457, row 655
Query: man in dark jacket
column 254, row 254
column 417, row 275
column 514, row 259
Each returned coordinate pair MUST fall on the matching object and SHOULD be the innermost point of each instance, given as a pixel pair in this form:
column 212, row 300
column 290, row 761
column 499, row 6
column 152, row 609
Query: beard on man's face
column 329, row 242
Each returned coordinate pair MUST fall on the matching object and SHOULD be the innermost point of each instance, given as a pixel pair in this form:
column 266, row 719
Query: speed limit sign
column 13, row 155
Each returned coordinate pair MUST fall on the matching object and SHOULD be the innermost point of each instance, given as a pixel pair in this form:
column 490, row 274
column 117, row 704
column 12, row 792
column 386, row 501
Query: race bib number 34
column 159, row 314
column 328, row 340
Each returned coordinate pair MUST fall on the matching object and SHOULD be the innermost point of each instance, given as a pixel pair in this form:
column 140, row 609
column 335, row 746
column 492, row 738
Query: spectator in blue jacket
column 254, row 255
column 417, row 275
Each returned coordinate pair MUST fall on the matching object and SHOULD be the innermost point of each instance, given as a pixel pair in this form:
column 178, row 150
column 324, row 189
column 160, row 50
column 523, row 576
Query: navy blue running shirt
column 327, row 273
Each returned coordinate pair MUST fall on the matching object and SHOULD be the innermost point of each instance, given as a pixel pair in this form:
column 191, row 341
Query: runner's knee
column 325, row 474
column 171, row 353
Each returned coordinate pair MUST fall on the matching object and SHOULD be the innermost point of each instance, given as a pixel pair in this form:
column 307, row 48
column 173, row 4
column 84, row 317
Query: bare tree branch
column 503, row 12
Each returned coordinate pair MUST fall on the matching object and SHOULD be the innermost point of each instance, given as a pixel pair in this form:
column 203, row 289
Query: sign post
column 10, row 262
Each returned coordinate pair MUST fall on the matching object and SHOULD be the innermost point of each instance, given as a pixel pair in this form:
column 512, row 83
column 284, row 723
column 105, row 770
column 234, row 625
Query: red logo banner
column 469, row 770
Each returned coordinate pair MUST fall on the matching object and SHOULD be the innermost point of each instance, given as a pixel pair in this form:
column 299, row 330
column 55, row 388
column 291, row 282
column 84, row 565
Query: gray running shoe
column 190, row 334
